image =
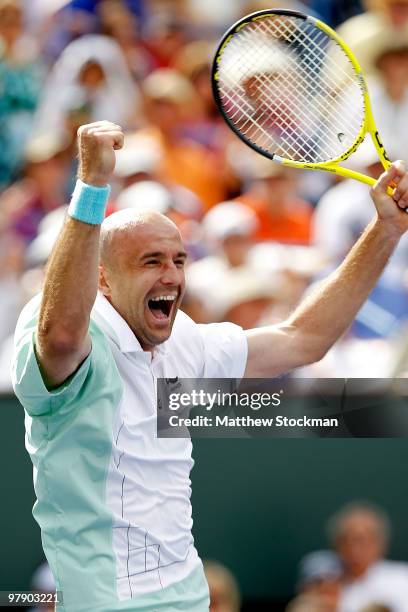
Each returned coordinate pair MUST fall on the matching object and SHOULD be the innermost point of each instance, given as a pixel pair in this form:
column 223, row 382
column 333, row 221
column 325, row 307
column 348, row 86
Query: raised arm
column 326, row 314
column 71, row 282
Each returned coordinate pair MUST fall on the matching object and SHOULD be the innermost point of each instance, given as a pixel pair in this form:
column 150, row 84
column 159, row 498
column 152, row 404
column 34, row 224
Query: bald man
column 113, row 500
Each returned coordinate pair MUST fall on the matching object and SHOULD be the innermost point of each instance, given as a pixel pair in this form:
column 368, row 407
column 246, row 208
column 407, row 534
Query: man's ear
column 103, row 282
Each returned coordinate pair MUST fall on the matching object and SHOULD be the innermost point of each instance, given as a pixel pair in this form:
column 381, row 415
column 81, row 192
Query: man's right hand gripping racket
column 291, row 89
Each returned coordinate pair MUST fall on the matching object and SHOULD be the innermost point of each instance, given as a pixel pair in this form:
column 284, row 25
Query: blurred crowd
column 354, row 575
column 258, row 235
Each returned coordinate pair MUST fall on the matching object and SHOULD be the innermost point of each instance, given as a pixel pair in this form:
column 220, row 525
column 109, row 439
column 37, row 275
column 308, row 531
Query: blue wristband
column 88, row 203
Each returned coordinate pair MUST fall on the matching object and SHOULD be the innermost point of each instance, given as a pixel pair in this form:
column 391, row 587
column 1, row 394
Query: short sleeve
column 26, row 376
column 225, row 350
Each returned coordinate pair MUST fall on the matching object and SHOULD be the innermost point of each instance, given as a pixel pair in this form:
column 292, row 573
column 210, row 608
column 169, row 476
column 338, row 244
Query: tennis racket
column 292, row 89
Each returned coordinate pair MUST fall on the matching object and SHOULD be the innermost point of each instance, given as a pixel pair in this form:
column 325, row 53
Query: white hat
column 146, row 195
column 378, row 44
column 139, row 154
column 229, row 219
column 244, row 284
column 272, row 57
column 45, row 145
column 168, row 84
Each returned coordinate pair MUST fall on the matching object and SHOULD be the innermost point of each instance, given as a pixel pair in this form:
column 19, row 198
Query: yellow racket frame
column 368, row 126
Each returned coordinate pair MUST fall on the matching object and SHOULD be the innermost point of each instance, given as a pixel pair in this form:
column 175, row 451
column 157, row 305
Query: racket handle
column 386, row 163
column 358, row 176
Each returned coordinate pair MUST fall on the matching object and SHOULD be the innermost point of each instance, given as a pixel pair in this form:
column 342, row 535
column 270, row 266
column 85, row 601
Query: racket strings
column 291, row 139
column 308, row 88
column 265, row 87
column 316, row 104
column 295, row 139
column 250, row 121
column 341, row 79
column 241, row 111
column 283, row 125
column 316, row 41
column 318, row 108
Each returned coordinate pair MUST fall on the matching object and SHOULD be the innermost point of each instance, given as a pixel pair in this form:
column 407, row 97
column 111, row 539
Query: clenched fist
column 392, row 204
column 97, row 143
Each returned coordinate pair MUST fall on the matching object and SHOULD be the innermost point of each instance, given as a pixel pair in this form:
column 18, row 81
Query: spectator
column 385, row 60
column 366, row 30
column 194, row 62
column 165, row 35
column 319, row 583
column 139, row 161
column 340, row 217
column 90, row 76
column 21, row 75
column 57, row 24
column 171, row 103
column 282, row 214
column 11, row 293
column 246, row 295
column 293, row 268
column 228, row 234
column 229, row 229
column 224, row 591
column 41, row 189
column 43, row 582
column 215, row 15
column 123, row 25
column 360, row 534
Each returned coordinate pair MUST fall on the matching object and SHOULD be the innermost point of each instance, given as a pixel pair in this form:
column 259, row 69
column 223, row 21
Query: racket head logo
column 381, row 146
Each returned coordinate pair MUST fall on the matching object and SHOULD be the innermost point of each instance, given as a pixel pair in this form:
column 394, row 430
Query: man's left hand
column 391, row 209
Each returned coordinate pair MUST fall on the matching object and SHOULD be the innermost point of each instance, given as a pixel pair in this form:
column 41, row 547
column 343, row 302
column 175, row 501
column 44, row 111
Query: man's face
column 361, row 542
column 144, row 280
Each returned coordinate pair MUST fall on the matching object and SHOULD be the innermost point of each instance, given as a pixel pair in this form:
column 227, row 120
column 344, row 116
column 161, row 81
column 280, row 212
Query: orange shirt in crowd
column 187, row 163
column 191, row 165
column 290, row 224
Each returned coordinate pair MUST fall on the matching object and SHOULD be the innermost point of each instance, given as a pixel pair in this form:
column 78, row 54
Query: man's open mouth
column 161, row 306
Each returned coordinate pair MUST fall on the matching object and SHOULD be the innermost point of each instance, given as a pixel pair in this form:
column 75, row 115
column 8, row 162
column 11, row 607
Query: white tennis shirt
column 384, row 583
column 113, row 500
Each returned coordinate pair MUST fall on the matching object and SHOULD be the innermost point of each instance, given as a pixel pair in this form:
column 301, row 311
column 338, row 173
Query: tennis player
column 113, row 500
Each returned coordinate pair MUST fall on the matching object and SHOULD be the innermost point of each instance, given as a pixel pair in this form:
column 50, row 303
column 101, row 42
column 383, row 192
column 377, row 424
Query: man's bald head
column 122, row 228
column 142, row 272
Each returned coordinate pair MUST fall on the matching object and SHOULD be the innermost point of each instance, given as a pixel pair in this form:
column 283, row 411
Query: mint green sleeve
column 27, row 380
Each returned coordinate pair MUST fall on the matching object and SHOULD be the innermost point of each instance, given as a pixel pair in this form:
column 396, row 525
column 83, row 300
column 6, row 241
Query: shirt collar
column 115, row 326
